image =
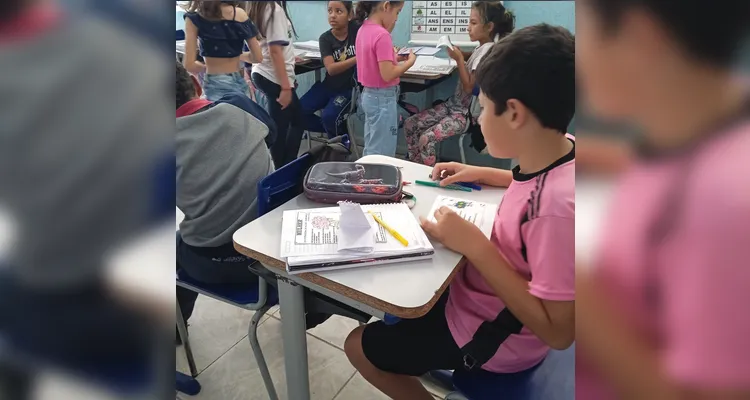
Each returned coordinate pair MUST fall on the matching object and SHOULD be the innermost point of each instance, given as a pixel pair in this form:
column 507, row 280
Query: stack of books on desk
column 320, row 239
column 430, row 65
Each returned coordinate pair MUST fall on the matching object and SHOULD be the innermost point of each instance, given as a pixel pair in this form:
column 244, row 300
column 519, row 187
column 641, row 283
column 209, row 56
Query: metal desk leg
column 291, row 301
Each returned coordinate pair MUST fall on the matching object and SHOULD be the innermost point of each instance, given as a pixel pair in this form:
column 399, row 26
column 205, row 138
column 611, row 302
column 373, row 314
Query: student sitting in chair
column 222, row 153
column 334, row 94
column 518, row 288
column 489, row 21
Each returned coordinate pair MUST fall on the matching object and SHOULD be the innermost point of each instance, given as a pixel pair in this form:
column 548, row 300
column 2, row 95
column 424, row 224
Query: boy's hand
column 453, row 231
column 452, row 172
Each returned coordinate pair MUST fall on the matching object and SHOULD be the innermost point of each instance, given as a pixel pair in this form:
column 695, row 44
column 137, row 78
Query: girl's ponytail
column 364, row 9
column 503, row 21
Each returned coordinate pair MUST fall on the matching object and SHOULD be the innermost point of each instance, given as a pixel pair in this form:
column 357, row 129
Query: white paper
column 433, row 65
column 315, row 233
column 444, row 41
column 480, row 214
column 356, row 230
column 308, row 45
column 419, row 51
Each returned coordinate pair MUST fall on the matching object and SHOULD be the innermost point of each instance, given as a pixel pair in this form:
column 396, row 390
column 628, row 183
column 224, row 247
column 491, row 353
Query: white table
column 407, row 290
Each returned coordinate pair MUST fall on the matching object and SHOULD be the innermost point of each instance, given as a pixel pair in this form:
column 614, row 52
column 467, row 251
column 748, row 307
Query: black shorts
column 413, row 346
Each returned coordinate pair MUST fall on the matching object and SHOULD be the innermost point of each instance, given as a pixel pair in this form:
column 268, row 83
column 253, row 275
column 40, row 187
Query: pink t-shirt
column 535, row 231
column 374, row 44
column 688, row 295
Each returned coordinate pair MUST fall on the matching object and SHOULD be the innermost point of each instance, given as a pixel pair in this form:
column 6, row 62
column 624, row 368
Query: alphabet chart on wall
column 432, row 19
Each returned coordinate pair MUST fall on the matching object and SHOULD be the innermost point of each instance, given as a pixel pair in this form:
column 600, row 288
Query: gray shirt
column 221, row 157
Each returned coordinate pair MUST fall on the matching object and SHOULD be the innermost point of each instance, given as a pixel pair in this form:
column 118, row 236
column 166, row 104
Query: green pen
column 437, row 184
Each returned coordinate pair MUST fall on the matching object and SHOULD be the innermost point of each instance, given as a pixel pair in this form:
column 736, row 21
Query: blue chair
column 134, row 378
column 282, row 185
column 552, row 379
column 259, row 299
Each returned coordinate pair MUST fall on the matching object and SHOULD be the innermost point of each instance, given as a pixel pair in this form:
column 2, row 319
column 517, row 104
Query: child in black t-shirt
column 333, row 94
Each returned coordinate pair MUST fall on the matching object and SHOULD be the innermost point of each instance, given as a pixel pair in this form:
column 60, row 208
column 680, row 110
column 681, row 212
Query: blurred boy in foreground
column 663, row 313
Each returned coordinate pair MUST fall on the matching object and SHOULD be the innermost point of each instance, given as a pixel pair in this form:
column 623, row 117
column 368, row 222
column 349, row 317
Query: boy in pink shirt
column 663, row 312
column 515, row 297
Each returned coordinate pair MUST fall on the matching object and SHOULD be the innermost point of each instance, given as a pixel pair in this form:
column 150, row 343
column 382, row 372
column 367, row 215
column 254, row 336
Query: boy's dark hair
column 708, row 32
column 366, row 7
column 184, row 89
column 536, row 66
column 493, row 11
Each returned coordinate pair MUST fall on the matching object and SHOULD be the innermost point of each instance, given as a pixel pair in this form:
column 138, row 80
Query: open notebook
column 315, row 240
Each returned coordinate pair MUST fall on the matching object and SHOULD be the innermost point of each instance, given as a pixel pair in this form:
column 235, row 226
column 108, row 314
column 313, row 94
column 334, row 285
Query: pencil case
column 331, row 182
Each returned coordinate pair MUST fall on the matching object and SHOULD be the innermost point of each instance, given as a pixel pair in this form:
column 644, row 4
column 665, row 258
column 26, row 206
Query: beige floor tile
column 214, row 328
column 359, row 389
column 236, row 374
column 335, row 330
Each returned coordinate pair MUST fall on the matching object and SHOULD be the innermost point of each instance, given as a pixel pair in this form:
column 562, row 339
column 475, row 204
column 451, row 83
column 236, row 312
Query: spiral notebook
column 323, row 239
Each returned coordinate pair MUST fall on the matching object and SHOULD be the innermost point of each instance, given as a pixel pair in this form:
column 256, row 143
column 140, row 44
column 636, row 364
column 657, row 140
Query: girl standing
column 378, row 71
column 489, row 22
column 221, row 28
column 334, row 94
column 274, row 76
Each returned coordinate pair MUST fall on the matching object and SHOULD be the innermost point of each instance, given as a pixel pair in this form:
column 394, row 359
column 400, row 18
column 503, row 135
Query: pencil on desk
column 390, row 230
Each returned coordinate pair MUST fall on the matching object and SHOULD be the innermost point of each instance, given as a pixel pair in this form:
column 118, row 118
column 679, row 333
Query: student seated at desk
column 489, row 22
column 524, row 274
column 223, row 28
column 663, row 309
column 221, row 157
column 334, row 94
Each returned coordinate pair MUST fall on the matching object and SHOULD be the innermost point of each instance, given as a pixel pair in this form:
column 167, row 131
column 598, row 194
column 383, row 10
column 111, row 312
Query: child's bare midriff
column 215, row 66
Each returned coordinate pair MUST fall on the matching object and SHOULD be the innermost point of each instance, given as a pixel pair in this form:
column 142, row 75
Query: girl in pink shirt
column 662, row 313
column 378, row 71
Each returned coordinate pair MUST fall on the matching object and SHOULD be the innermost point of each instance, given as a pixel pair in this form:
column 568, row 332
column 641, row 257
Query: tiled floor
column 218, row 335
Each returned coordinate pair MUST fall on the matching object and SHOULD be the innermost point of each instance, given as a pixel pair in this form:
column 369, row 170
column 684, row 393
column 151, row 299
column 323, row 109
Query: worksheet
column 317, row 231
column 480, row 214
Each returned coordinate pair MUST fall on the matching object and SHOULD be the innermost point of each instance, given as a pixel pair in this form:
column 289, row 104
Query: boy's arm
column 546, row 304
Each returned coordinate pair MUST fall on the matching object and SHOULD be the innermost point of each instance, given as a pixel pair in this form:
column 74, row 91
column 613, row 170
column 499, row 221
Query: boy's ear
column 517, row 113
column 197, row 86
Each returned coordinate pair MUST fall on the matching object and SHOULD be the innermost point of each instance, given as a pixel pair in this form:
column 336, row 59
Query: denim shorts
column 216, row 86
column 381, row 120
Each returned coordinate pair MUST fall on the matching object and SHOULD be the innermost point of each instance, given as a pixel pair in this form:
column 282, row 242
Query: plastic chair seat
column 552, row 379
column 126, row 378
column 233, row 293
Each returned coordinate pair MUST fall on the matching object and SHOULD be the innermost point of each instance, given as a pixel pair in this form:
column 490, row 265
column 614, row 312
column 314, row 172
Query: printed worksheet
column 317, row 231
column 480, row 214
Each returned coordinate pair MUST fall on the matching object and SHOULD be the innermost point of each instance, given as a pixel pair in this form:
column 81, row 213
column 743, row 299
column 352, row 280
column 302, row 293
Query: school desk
column 405, row 290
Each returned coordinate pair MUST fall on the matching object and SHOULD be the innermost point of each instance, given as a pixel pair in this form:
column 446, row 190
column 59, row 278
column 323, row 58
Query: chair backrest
column 283, row 184
column 553, row 379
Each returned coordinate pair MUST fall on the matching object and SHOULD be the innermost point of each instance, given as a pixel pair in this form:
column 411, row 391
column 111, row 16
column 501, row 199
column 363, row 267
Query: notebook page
column 480, row 214
column 315, row 232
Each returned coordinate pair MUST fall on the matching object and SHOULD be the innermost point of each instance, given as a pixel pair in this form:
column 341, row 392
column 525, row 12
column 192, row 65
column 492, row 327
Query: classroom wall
column 310, row 20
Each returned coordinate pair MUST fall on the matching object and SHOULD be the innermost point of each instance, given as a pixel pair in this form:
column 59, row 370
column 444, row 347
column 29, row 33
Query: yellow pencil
column 390, row 230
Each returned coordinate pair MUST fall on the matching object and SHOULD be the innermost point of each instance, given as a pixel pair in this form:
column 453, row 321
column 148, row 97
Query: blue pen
column 469, row 185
